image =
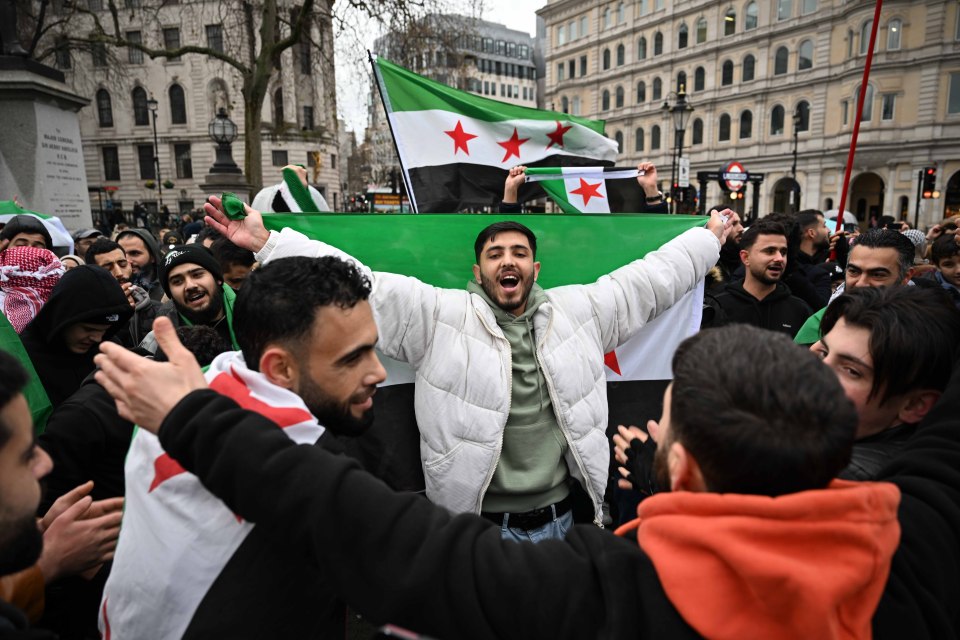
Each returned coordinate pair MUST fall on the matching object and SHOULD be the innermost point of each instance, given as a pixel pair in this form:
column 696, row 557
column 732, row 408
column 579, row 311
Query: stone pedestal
column 41, row 154
column 225, row 175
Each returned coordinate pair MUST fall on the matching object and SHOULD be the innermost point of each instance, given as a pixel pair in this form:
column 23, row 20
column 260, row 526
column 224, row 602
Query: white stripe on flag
column 588, row 196
column 587, row 173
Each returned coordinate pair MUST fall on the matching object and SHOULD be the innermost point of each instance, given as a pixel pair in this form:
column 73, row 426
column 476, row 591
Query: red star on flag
column 556, row 137
column 610, row 359
column 512, row 145
column 587, row 191
column 460, row 138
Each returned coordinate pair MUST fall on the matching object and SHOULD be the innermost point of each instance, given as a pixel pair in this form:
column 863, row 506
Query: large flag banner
column 456, row 147
column 438, row 249
column 591, row 189
column 61, row 237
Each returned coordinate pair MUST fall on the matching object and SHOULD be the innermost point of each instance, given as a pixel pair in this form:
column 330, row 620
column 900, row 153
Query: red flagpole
column 859, row 114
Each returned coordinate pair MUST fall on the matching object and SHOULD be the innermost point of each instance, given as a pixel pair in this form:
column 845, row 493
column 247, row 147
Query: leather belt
column 533, row 519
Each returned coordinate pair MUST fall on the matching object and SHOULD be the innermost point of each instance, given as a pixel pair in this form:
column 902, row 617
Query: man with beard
column 192, row 278
column 186, row 565
column 761, row 299
column 510, row 390
column 143, row 252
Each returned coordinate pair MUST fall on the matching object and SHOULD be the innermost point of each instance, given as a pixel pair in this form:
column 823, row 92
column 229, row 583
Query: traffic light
column 928, row 188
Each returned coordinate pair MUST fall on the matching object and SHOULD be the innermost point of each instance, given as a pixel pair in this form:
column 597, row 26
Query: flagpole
column 386, row 110
column 856, row 122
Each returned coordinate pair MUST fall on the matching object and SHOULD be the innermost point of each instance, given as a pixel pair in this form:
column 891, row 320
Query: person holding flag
column 572, row 189
column 510, row 388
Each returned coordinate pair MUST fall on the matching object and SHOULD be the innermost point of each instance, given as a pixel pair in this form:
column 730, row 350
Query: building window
column 606, row 59
column 726, row 73
column 776, row 121
column 605, row 101
column 865, row 36
column 618, row 136
column 583, row 66
column 181, row 155
column 111, row 163
column 148, row 171
column 278, row 107
column 95, row 5
column 638, row 139
column 642, row 49
column 730, row 22
column 621, row 14
column 780, row 61
column 784, row 9
column 657, row 43
column 134, row 55
column 850, row 43
column 751, row 17
column 619, row 97
column 178, row 105
column 699, row 79
column 560, row 77
column 749, row 69
column 583, row 26
column 746, row 125
column 171, row 41
column 641, row 92
column 141, row 115
column 867, row 114
column 306, row 58
column 215, row 37
column 844, row 112
column 805, row 57
column 308, row 123
column 803, row 110
column 894, row 27
column 698, row 131
column 681, row 81
column 724, row 130
column 62, row 55
column 621, row 55
column 606, row 18
column 657, row 89
column 807, row 7
column 576, row 103
column 682, row 37
column 104, row 109
column 98, row 53
column 701, row 30
column 953, row 98
column 333, row 161
column 571, row 70
column 887, row 106
column 565, row 104
column 655, row 137
column 561, row 35
column 278, row 158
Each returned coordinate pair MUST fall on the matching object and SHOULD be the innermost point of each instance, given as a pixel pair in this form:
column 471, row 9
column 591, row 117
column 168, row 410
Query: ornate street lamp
column 223, row 131
column 152, row 105
column 679, row 112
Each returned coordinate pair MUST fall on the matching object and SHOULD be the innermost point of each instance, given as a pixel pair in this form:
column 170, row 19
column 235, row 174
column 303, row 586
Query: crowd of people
column 803, row 479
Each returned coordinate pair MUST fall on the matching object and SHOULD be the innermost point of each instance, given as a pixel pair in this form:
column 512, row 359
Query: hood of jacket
column 152, row 246
column 811, row 564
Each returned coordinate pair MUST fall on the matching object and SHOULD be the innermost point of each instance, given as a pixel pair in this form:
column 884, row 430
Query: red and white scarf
column 27, row 276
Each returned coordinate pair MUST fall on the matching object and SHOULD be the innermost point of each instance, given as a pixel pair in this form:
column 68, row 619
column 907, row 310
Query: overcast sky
column 353, row 91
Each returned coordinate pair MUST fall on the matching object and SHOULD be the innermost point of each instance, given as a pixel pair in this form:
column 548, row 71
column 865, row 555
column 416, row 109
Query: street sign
column 734, row 175
column 683, row 176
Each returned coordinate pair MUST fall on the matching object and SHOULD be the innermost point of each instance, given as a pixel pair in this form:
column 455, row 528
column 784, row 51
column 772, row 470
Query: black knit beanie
column 189, row 254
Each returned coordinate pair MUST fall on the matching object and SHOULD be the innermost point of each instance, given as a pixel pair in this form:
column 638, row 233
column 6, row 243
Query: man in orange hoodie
column 754, row 540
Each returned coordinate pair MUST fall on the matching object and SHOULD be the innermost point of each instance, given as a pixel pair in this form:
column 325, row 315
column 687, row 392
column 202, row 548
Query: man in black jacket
column 761, row 300
column 709, row 562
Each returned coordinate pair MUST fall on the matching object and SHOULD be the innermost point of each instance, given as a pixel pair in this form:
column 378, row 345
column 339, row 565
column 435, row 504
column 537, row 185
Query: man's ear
column 536, row 270
column 476, row 273
column 916, row 405
column 279, row 367
column 685, row 474
column 743, row 256
column 910, row 273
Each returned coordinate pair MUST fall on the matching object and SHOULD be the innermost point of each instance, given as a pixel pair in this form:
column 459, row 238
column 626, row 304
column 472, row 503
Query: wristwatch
column 656, row 198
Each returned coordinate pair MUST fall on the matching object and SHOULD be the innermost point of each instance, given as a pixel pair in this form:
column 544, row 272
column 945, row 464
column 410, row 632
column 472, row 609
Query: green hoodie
column 531, row 472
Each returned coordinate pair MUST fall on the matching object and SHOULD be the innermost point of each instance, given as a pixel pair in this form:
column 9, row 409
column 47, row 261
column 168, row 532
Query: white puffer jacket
column 463, row 361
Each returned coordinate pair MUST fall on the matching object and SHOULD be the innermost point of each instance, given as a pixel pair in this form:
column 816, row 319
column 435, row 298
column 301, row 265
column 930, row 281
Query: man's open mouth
column 509, row 281
column 195, row 296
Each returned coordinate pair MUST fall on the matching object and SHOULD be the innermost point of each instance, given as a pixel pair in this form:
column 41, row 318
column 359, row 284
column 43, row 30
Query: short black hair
column 501, row 227
column 808, row 218
column 945, row 246
column 202, row 341
column 888, row 239
column 13, row 379
column 207, row 232
column 279, row 302
column 790, row 429
column 761, row 227
column 914, row 333
column 101, row 245
column 228, row 254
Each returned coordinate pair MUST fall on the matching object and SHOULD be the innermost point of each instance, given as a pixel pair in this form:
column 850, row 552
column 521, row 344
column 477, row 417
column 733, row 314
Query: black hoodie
column 84, row 294
column 779, row 311
column 150, row 281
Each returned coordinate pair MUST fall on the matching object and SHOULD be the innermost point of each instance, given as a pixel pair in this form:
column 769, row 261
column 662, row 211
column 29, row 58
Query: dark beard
column 661, row 469
column 20, row 545
column 333, row 415
column 489, row 287
column 208, row 315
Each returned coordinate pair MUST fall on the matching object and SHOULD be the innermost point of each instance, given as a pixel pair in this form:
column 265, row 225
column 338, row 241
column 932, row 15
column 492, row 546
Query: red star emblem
column 587, row 191
column 512, row 145
column 460, row 138
column 611, row 361
column 556, row 137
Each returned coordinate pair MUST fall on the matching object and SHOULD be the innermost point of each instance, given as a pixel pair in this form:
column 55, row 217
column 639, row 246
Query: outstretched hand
column 146, row 391
column 720, row 227
column 247, row 233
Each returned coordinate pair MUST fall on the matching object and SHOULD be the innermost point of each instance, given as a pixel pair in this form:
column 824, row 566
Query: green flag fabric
column 36, row 395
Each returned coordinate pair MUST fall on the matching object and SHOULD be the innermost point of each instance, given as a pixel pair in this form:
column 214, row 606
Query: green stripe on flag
column 408, row 91
column 438, row 248
column 34, row 392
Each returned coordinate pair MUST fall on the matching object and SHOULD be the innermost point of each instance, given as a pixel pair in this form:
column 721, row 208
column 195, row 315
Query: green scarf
column 229, row 297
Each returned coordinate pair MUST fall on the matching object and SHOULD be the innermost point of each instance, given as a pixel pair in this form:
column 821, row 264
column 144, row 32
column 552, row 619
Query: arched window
column 104, row 108
column 141, row 116
column 619, row 97
column 805, row 55
column 638, row 139
column 565, row 104
column 803, row 110
column 723, row 134
column 749, row 68
column 606, row 17
column 701, row 30
column 780, row 61
column 178, row 105
column 641, row 92
column 730, row 22
column 681, row 81
column 850, row 37
column 699, row 79
column 621, row 55
column 784, row 9
column 655, row 137
column 605, row 101
column 278, row 107
column 657, row 43
column 746, row 125
column 606, row 59
column 682, row 36
column 776, row 121
column 894, row 28
column 726, row 73
column 867, row 103
column 621, row 14
column 642, row 49
column 865, row 36
column 751, row 16
column 698, row 131
column 657, row 89
column 618, row 136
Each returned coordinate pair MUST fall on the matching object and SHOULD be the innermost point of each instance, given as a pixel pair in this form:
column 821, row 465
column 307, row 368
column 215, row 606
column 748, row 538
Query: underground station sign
column 734, row 176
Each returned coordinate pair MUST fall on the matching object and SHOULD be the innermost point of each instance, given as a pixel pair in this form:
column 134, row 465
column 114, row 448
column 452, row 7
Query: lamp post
column 223, row 131
column 679, row 112
column 152, row 104
column 795, row 189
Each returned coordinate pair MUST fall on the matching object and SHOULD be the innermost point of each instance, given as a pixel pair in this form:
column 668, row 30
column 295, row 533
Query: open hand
column 80, row 538
column 247, row 233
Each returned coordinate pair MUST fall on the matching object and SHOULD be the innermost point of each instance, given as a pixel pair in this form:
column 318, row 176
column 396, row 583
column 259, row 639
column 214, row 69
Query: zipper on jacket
column 496, row 459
